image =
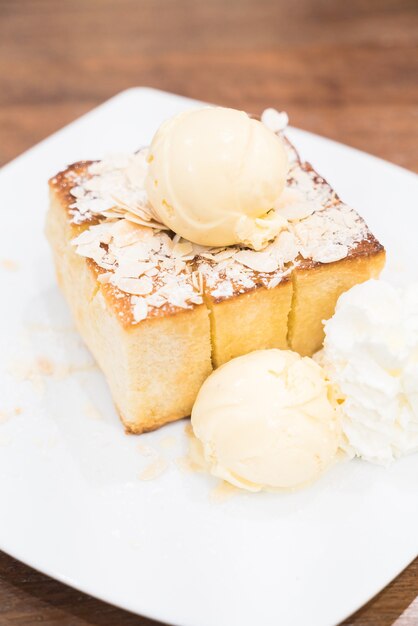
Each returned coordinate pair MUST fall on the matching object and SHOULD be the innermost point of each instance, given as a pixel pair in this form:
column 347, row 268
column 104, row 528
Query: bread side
column 155, row 368
column 255, row 320
column 317, row 287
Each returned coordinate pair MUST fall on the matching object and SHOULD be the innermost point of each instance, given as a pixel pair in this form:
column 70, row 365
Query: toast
column 159, row 313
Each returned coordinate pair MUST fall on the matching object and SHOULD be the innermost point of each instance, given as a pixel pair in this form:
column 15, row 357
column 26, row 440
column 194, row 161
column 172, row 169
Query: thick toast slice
column 154, row 368
column 158, row 313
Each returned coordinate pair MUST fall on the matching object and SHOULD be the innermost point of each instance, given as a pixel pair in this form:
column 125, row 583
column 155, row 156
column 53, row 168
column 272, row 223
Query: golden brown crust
column 64, row 181
column 120, row 303
column 366, row 248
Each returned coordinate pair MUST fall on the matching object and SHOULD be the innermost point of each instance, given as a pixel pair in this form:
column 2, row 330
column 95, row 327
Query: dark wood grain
column 347, row 70
column 344, row 69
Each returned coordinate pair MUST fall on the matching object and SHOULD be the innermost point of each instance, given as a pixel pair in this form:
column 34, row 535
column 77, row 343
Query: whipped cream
column 371, row 356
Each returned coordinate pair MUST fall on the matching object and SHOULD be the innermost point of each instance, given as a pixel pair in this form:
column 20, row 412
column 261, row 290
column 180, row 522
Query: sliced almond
column 105, row 278
column 132, row 269
column 135, row 286
column 140, row 309
column 258, row 261
column 126, row 233
column 275, row 281
column 275, row 120
column 156, row 300
column 183, row 248
column 330, row 253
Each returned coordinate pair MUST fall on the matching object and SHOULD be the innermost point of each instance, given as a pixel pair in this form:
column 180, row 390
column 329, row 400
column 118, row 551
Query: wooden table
column 347, row 70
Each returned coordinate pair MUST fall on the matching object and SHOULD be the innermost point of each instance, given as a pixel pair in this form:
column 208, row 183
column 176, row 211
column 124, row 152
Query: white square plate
column 73, row 504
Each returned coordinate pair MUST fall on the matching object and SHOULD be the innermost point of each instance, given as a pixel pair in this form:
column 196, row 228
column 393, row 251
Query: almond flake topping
column 140, row 309
column 258, row 261
column 115, row 189
column 275, row 120
column 158, row 269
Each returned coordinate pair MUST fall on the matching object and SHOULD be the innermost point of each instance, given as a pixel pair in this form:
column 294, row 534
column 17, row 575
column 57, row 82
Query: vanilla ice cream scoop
column 265, row 421
column 215, row 176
